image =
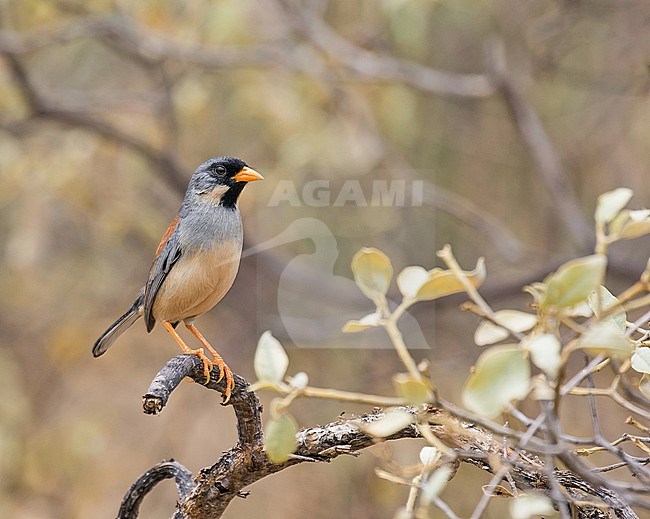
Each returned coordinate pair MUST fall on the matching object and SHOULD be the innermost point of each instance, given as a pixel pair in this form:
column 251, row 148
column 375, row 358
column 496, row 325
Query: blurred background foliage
column 107, row 106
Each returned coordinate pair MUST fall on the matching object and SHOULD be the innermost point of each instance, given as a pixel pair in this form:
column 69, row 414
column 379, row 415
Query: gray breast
column 208, row 225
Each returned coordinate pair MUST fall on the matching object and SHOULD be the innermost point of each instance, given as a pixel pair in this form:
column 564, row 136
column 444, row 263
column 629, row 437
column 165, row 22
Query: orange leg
column 223, row 367
column 207, row 365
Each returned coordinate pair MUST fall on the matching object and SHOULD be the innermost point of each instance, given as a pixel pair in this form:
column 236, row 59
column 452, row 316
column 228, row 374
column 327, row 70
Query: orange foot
column 207, row 364
column 224, row 370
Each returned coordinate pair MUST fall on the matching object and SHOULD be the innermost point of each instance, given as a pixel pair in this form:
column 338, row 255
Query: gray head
column 221, row 180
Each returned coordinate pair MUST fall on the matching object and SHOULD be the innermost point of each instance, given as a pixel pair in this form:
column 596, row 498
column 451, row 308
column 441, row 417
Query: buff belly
column 197, row 282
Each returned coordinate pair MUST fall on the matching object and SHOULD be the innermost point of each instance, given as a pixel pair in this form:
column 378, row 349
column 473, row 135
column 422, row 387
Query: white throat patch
column 215, row 194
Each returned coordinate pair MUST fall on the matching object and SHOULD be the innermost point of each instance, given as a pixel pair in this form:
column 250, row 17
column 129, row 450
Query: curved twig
column 130, row 506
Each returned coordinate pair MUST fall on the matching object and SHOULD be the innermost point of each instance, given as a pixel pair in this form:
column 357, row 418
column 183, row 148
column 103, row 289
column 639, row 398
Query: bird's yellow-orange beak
column 247, row 175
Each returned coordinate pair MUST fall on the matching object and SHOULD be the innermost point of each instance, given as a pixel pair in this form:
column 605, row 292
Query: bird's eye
column 220, row 170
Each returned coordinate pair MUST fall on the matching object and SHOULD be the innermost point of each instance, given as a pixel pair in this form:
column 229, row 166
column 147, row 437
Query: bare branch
column 245, row 403
column 130, row 506
column 246, row 462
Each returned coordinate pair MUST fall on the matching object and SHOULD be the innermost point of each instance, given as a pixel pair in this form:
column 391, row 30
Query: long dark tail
column 118, row 327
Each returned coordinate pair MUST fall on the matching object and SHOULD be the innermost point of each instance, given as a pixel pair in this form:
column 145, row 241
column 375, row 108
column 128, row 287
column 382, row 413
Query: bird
column 195, row 263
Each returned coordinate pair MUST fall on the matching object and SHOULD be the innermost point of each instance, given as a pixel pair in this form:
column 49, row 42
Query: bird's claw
column 224, row 370
column 207, row 363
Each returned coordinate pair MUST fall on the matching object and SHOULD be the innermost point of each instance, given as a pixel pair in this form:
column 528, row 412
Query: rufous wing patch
column 168, row 233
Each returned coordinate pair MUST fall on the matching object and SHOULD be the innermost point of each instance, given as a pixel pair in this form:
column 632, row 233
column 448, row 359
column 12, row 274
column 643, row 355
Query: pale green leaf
column 429, row 455
column 393, row 421
column 372, row 272
column 615, row 226
column 271, row 361
column 280, row 440
column 639, row 215
column 410, row 280
column 582, row 309
column 299, row 380
column 611, row 203
column 531, row 506
column 608, row 300
column 641, row 360
column 606, row 338
column 545, row 353
column 501, row 375
column 393, row 478
column 515, row 320
column 412, row 390
column 488, row 333
column 364, row 323
column 444, row 282
column 637, row 224
column 434, row 484
column 574, row 281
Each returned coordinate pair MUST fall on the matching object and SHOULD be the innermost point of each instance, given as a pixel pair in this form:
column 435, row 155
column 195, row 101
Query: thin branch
column 582, row 374
column 444, row 507
column 400, row 347
column 614, row 395
column 341, row 396
column 487, row 493
column 619, row 465
column 635, row 468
